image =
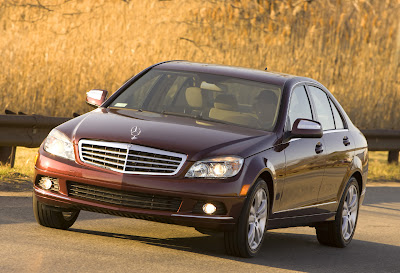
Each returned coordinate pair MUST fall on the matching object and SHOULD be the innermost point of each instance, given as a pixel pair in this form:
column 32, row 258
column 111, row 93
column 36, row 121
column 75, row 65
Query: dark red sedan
column 218, row 148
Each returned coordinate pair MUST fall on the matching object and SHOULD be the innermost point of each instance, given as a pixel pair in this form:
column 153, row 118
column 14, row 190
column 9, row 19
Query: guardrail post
column 7, row 155
column 393, row 157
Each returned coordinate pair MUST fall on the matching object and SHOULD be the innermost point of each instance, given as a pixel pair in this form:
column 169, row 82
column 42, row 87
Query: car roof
column 232, row 71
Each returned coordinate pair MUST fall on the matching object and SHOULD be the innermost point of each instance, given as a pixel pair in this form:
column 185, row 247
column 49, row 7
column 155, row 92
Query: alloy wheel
column 349, row 213
column 257, row 219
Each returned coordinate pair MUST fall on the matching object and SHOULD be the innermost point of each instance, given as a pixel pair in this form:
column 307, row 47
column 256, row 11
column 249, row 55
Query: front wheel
column 48, row 217
column 340, row 232
column 248, row 236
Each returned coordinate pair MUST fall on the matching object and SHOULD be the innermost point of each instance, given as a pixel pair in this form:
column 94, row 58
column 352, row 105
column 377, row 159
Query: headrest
column 193, row 97
column 267, row 96
column 226, row 102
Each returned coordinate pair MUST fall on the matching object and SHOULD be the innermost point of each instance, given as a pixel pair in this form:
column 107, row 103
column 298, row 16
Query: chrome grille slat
column 152, row 163
column 105, row 161
column 130, row 158
column 149, row 157
column 102, row 150
column 108, row 156
column 150, row 168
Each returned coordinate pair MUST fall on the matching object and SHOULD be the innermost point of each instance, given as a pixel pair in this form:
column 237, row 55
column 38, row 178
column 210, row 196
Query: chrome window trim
column 128, row 147
column 307, row 207
column 335, row 131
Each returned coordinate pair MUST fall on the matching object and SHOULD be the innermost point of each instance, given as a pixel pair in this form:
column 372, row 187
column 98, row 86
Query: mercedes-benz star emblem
column 135, row 131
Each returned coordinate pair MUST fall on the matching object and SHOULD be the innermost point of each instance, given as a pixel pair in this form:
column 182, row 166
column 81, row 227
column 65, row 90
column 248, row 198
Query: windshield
column 204, row 96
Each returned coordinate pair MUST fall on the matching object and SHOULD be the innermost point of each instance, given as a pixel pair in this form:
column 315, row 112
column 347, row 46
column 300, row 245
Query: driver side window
column 299, row 106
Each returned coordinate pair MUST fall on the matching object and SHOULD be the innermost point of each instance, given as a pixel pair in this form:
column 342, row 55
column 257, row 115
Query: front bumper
column 190, row 191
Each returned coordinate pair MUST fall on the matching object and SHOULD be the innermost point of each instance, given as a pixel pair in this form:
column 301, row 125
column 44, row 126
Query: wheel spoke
column 257, row 235
column 353, row 220
column 262, row 226
column 354, row 202
column 262, row 209
column 354, row 208
column 344, row 225
column 251, row 234
column 255, row 202
column 259, row 199
column 351, row 227
column 252, row 219
column 345, row 211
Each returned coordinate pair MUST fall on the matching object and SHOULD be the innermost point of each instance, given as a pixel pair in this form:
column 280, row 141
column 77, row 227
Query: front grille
column 130, row 158
column 124, row 198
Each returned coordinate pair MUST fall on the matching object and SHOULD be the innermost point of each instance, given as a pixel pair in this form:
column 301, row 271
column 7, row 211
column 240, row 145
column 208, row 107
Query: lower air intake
column 123, row 198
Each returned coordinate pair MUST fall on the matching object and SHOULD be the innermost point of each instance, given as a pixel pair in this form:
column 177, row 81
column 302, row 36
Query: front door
column 305, row 162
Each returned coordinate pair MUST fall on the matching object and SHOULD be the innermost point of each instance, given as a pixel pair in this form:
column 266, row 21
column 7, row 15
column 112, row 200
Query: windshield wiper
column 178, row 114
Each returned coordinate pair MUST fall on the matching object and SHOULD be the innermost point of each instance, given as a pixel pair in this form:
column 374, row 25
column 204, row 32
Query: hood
column 196, row 138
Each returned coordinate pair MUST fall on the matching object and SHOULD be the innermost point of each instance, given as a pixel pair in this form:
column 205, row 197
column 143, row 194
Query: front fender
column 270, row 165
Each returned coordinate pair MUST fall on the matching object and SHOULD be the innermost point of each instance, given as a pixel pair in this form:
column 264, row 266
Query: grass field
column 20, row 177
column 53, row 51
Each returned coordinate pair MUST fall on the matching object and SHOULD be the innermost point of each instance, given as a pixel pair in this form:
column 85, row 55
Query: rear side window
column 336, row 115
column 299, row 105
column 323, row 108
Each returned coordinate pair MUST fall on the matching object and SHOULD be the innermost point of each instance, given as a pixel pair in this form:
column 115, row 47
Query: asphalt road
column 101, row 243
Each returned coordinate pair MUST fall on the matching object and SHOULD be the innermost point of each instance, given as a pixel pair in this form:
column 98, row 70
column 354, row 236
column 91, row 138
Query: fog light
column 209, row 208
column 48, row 183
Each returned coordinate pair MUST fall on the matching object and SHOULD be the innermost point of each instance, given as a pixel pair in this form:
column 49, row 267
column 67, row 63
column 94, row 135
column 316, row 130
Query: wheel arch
column 269, row 167
column 267, row 177
column 357, row 175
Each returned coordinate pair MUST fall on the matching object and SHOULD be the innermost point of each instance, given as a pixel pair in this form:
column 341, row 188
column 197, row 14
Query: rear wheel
column 49, row 217
column 340, row 232
column 248, row 236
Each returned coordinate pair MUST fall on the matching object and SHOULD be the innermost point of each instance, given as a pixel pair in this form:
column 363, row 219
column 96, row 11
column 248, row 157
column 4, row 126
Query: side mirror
column 306, row 128
column 96, row 97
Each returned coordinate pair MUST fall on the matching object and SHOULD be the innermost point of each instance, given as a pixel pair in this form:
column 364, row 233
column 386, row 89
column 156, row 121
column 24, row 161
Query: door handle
column 346, row 141
column 319, row 148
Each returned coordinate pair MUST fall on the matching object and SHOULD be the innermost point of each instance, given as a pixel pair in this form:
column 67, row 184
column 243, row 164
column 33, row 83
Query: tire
column 248, row 235
column 48, row 217
column 340, row 232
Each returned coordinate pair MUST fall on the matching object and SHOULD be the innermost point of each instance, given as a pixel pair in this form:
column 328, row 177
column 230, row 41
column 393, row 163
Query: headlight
column 59, row 144
column 218, row 167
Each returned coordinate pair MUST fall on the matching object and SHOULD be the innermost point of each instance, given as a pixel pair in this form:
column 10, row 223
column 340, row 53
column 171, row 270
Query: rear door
column 339, row 146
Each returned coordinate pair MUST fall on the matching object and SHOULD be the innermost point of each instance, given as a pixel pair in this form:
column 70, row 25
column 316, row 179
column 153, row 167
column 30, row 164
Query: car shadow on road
column 300, row 252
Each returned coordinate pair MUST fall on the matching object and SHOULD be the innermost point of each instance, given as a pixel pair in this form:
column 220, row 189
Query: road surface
column 102, row 243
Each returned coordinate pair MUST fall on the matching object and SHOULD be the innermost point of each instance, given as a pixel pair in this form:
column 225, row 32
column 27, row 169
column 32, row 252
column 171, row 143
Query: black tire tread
column 47, row 217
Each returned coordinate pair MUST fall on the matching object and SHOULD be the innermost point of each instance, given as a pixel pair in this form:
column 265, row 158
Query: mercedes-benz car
column 217, row 148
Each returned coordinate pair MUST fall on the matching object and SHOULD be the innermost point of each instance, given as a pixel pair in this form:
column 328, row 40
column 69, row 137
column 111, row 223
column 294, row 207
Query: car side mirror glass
column 306, row 128
column 96, row 97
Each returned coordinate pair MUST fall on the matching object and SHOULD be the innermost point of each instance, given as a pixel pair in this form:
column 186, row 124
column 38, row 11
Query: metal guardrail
column 31, row 130
column 23, row 130
column 27, row 131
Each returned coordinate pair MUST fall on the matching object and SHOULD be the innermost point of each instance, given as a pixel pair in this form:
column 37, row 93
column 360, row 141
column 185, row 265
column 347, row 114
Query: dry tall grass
column 52, row 52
